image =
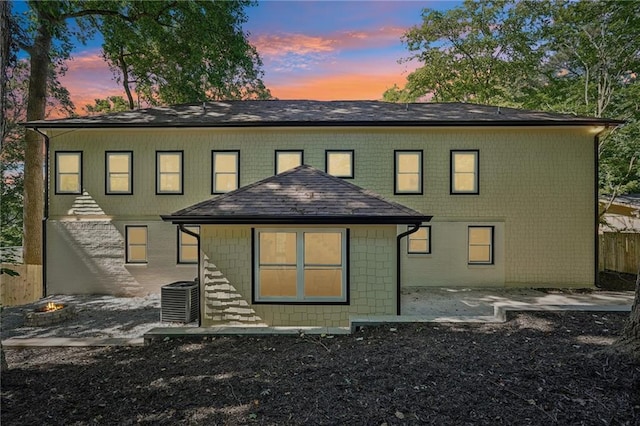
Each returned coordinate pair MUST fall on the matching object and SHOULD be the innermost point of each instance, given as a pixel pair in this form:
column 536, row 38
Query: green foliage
column 188, row 51
column 481, row 52
column 396, row 94
column 107, row 105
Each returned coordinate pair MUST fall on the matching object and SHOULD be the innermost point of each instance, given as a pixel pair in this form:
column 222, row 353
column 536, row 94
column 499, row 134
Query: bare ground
column 538, row 368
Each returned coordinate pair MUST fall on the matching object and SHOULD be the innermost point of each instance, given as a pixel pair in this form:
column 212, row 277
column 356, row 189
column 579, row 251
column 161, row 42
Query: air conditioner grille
column 179, row 302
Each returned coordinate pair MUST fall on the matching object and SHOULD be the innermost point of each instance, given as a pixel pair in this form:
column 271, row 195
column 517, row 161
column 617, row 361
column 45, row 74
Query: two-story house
column 307, row 212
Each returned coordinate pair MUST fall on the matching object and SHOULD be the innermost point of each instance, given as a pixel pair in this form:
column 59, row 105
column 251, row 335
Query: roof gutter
column 200, row 298
column 399, row 123
column 294, row 220
column 415, row 228
column 45, row 214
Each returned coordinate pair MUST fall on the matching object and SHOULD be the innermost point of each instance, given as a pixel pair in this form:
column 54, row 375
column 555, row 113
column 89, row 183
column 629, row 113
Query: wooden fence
column 24, row 288
column 620, row 252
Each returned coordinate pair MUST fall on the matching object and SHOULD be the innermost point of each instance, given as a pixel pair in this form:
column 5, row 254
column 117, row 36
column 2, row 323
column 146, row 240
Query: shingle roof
column 321, row 113
column 303, row 195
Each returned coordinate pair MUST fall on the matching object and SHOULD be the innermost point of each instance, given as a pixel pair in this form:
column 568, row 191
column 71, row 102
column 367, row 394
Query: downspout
column 596, row 185
column 197, row 237
column 45, row 215
column 398, row 269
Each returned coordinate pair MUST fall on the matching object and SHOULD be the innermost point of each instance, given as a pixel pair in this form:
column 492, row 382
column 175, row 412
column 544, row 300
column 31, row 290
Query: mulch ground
column 616, row 281
column 535, row 369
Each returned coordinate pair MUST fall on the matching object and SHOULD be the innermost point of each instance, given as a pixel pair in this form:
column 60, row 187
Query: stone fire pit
column 51, row 313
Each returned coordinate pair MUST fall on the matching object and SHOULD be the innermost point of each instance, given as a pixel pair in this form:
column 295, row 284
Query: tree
column 156, row 53
column 629, row 340
column 46, row 36
column 107, row 105
column 482, row 52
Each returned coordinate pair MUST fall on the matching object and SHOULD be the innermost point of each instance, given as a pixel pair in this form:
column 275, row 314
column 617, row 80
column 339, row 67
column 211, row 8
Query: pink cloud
column 286, row 43
column 88, row 77
column 282, row 44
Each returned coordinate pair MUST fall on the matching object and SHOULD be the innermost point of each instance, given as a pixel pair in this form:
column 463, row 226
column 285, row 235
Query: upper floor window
column 225, row 171
column 339, row 163
column 119, row 172
column 420, row 241
column 481, row 245
column 286, row 160
column 300, row 265
column 68, row 172
column 136, row 243
column 188, row 245
column 408, row 172
column 464, row 172
column 169, row 171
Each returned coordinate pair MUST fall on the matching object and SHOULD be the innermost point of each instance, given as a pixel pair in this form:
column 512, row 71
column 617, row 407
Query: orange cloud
column 337, row 87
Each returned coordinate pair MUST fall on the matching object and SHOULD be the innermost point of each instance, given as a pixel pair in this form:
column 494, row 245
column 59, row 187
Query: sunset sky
column 325, row 50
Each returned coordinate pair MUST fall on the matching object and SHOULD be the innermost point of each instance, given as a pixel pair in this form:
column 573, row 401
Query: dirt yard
column 536, row 369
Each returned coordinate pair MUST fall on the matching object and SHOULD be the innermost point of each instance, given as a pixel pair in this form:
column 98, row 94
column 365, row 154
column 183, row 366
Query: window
column 136, row 244
column 464, row 172
column 119, row 178
column 169, row 167
column 304, row 266
column 481, row 245
column 408, row 172
column 188, row 245
column 420, row 241
column 339, row 163
column 225, row 166
column 68, row 172
column 286, row 160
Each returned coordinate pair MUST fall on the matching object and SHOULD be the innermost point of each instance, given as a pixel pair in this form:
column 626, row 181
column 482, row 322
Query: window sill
column 481, row 266
column 302, row 302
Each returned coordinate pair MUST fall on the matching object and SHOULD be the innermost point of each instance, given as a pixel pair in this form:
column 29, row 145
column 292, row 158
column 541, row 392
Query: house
column 307, row 212
column 622, row 213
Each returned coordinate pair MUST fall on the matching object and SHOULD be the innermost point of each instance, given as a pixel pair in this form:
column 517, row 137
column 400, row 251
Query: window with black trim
column 225, row 166
column 188, row 245
column 119, row 172
column 339, row 163
column 481, row 245
column 288, row 159
column 169, row 171
column 301, row 265
column 136, row 243
column 420, row 241
column 464, row 172
column 68, row 166
column 408, row 172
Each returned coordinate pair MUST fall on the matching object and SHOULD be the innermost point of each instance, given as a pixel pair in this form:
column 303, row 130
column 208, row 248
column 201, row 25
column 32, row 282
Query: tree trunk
column 125, row 78
column 630, row 339
column 3, row 360
column 34, row 158
column 4, row 61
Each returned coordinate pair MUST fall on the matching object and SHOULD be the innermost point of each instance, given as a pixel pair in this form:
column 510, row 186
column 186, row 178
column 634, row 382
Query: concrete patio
column 108, row 320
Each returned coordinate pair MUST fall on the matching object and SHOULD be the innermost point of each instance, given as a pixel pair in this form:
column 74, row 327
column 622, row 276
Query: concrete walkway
column 107, row 320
